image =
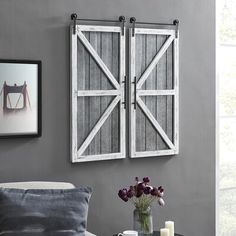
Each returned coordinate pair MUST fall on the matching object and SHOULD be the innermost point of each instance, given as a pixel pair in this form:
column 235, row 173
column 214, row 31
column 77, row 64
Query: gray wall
column 39, row 30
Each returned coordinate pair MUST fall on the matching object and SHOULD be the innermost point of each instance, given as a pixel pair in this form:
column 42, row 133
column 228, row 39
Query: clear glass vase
column 143, row 221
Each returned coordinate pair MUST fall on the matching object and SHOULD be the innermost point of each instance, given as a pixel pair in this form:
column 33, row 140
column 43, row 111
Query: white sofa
column 41, row 185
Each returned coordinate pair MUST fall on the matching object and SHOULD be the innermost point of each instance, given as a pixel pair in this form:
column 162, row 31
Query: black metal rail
column 122, row 20
column 74, row 18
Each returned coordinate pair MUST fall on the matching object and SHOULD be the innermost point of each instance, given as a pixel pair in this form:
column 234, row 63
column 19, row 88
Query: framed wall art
column 97, row 93
column 113, row 114
column 154, row 76
column 20, row 98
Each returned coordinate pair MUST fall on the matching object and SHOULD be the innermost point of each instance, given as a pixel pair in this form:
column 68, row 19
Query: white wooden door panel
column 154, row 92
column 97, row 93
column 98, row 117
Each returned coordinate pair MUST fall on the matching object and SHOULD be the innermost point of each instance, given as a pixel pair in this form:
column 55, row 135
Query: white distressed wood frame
column 118, row 92
column 172, row 38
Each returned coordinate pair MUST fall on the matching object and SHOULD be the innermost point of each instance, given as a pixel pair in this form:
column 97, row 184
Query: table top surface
column 155, row 233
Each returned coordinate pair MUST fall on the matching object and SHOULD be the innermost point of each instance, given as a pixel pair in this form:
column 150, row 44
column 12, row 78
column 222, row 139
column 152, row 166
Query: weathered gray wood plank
column 140, row 65
column 94, row 146
column 151, row 138
column 154, row 92
column 169, row 82
column 81, row 86
column 176, row 99
column 115, row 134
column 161, row 100
column 73, row 97
column 106, row 56
column 132, row 73
column 97, row 93
column 87, row 86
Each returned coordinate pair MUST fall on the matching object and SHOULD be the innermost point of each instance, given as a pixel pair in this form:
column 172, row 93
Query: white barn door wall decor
column 97, row 93
column 154, row 92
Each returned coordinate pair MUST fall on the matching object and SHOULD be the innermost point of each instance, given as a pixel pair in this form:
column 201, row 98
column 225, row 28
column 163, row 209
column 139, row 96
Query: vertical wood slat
column 140, row 65
column 151, row 138
column 115, row 114
column 122, row 110
column 161, row 100
column 132, row 121
column 158, row 86
column 94, row 107
column 73, row 123
column 81, row 86
column 106, row 56
column 87, row 86
column 169, row 82
column 176, row 98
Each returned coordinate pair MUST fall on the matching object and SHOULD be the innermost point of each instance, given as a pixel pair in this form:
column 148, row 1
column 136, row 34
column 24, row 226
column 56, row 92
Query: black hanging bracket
column 122, row 20
column 125, row 92
column 135, row 92
column 74, row 17
column 176, row 23
column 132, row 20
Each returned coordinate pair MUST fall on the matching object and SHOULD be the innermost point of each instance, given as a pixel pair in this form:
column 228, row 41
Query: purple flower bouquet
column 142, row 195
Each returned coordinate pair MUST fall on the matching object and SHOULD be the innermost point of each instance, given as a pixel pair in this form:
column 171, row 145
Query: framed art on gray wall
column 154, row 76
column 97, row 93
column 20, row 98
column 99, row 89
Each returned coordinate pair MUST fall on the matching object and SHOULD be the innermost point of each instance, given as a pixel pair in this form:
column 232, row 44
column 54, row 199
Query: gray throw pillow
column 48, row 212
